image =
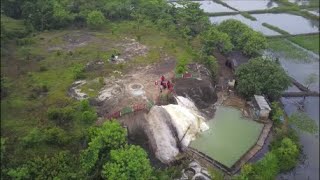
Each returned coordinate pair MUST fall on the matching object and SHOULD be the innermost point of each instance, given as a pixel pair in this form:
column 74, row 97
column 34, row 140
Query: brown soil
column 225, row 73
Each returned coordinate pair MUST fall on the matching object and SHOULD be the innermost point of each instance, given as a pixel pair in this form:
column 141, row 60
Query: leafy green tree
column 128, row 163
column 276, row 113
column 61, row 13
column 288, row 154
column 60, row 166
column 235, row 29
column 253, row 43
column 34, row 137
column 102, row 139
column 56, row 136
column 214, row 39
column 261, row 76
column 95, row 19
column 267, row 168
column 191, row 20
column 243, row 37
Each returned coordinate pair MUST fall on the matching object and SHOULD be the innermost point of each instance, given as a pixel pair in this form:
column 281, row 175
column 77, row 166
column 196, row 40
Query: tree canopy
column 128, row 163
column 261, row 76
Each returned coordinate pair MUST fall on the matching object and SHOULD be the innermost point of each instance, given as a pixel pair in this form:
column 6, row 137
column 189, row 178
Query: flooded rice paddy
column 309, row 169
column 209, row 6
column 249, row 5
column 291, row 23
column 255, row 25
column 229, row 137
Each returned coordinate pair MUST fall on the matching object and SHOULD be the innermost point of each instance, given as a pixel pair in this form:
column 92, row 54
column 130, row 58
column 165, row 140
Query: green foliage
column 288, row 154
column 88, row 116
column 181, row 66
column 243, row 37
column 308, row 42
column 95, row 19
column 128, row 163
column 19, row 173
column 211, row 63
column 78, row 71
column 12, row 28
column 102, row 139
column 56, row 136
column 266, row 168
column 303, row 122
column 214, row 39
column 3, row 147
column 261, row 76
column 60, row 166
column 288, row 50
column 61, row 116
column 34, row 137
column 252, row 43
column 276, row 113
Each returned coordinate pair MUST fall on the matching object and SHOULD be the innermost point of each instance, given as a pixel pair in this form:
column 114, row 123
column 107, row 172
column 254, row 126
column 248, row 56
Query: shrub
column 88, row 116
column 129, row 163
column 95, row 19
column 214, row 39
column 212, row 64
column 78, row 72
column 181, row 66
column 56, row 136
column 62, row 116
column 276, row 113
column 34, row 137
column 288, row 154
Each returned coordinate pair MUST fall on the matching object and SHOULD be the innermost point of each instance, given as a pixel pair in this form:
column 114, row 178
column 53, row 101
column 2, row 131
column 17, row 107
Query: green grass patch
column 279, row 45
column 13, row 27
column 308, row 42
column 91, row 88
column 275, row 29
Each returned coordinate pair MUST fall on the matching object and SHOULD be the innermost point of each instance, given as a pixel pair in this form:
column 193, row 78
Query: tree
column 243, row 37
column 235, row 29
column 60, row 166
column 128, row 163
column 253, row 42
column 95, row 19
column 261, row 76
column 267, row 168
column 102, row 139
column 214, row 39
column 288, row 154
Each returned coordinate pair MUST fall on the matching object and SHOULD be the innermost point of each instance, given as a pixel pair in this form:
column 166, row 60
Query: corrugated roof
column 262, row 103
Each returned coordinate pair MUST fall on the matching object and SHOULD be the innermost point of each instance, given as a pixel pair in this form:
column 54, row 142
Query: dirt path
column 225, row 73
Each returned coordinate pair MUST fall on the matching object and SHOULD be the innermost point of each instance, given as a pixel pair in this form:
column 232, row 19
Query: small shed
column 263, row 108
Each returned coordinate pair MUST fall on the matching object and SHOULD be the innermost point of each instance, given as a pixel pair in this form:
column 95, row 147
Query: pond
column 255, row 25
column 229, row 137
column 310, row 168
column 249, row 5
column 209, row 6
column 291, row 23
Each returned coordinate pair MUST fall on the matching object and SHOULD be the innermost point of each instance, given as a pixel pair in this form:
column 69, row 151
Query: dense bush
column 214, row 39
column 288, row 154
column 56, row 136
column 261, row 76
column 129, row 163
column 243, row 37
column 102, row 139
column 61, row 116
column 34, row 137
column 276, row 113
column 95, row 19
column 60, row 166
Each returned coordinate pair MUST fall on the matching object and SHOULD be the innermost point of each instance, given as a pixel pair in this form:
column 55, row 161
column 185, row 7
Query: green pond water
column 229, row 137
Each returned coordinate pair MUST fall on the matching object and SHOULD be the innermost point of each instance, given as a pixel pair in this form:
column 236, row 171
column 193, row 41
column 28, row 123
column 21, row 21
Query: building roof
column 262, row 103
